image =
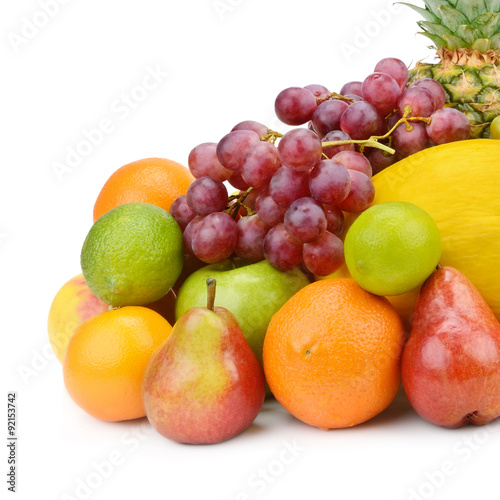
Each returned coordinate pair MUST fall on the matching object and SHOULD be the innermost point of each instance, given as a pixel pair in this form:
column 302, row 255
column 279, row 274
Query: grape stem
column 333, row 95
column 271, row 136
column 372, row 142
column 239, row 198
column 406, row 120
column 248, row 209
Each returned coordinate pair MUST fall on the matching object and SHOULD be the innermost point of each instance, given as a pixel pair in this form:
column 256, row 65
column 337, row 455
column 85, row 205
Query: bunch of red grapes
column 292, row 196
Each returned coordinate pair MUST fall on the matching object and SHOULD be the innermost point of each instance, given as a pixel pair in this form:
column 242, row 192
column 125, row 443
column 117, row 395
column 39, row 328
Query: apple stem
column 210, row 293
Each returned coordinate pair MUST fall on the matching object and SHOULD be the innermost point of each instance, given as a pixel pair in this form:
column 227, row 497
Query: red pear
column 451, row 362
column 204, row 384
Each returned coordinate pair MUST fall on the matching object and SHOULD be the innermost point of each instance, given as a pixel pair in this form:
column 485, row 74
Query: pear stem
column 210, row 293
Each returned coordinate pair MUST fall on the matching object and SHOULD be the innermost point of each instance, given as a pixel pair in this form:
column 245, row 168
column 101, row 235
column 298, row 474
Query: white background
column 226, row 61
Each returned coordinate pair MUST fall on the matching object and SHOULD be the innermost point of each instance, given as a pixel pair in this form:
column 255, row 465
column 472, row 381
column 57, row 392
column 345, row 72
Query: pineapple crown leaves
column 456, row 24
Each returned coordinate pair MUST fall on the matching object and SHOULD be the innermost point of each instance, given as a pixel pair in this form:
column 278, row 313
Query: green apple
column 252, row 292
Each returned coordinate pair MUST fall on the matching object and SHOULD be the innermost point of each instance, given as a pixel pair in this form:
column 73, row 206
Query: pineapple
column 466, row 34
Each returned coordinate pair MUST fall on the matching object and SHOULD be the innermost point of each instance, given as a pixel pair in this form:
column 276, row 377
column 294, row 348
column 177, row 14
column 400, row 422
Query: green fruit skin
column 252, row 292
column 132, row 255
column 495, row 128
column 362, row 254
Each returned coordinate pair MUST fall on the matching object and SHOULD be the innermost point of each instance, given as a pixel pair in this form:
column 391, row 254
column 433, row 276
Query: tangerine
column 332, row 354
column 152, row 180
column 106, row 358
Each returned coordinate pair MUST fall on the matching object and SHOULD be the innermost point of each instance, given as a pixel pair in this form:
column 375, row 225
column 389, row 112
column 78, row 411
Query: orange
column 332, row 354
column 404, row 303
column 106, row 358
column 153, row 180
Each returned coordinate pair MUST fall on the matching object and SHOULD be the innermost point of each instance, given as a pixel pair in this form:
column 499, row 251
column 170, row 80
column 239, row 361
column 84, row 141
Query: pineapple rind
column 463, row 88
column 488, row 103
column 490, row 75
column 473, row 91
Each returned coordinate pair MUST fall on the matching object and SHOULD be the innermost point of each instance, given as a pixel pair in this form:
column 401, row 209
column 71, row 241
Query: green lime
column 392, row 248
column 133, row 254
column 495, row 128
